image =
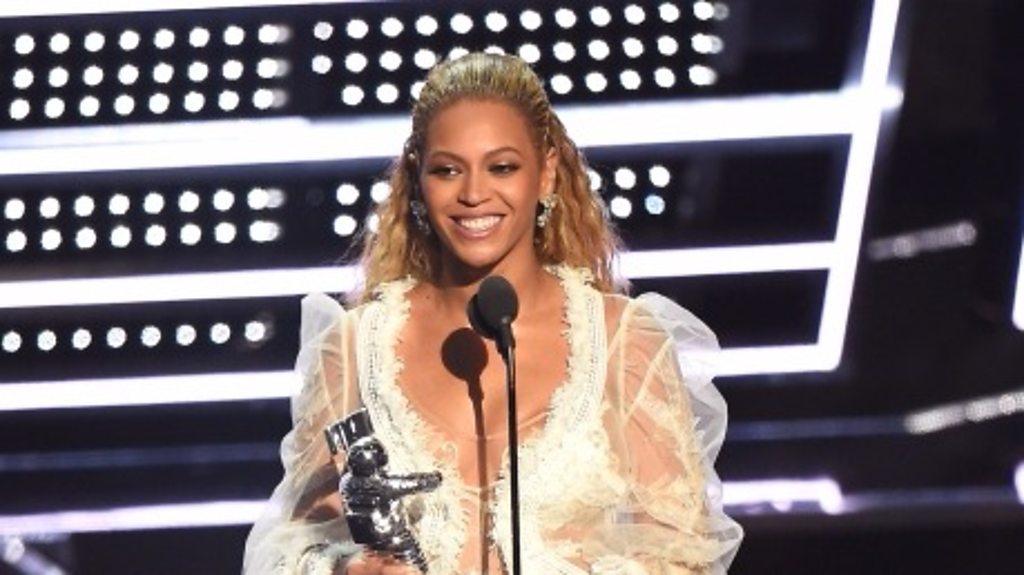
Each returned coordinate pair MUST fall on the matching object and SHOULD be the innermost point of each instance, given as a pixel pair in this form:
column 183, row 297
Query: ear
column 549, row 172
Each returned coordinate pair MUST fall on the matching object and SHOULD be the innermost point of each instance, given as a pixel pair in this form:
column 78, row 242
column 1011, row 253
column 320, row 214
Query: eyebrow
column 493, row 152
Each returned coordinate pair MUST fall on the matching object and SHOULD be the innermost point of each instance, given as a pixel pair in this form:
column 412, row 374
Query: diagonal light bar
column 291, row 140
column 23, row 8
column 1018, row 298
column 783, row 494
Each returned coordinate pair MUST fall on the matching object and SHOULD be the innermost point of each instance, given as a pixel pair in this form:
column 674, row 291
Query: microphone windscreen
column 494, row 301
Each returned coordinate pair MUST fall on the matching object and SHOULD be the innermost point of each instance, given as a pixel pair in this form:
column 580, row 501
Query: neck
column 456, row 287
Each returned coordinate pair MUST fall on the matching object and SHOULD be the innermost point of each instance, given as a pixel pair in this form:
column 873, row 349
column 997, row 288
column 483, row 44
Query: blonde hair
column 578, row 232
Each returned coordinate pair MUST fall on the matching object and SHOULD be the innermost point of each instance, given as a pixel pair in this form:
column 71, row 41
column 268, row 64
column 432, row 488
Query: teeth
column 479, row 224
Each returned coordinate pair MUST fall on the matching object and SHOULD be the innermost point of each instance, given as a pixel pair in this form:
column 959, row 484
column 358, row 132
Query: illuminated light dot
column 345, row 225
column 51, row 239
column 153, row 203
column 23, row 78
column 255, row 331
column 272, row 34
column 461, row 23
column 703, row 10
column 621, row 207
column 668, row 45
column 380, row 191
column 322, row 64
column 156, row 235
column 199, row 37
column 223, row 200
column 564, row 51
column 124, row 104
column 426, row 25
column 323, row 31
column 355, row 62
column 220, row 333
column 20, row 109
column 89, row 106
column 269, row 68
column 634, row 14
column 625, row 178
column 258, row 199
column 390, row 60
column 86, row 238
column 530, row 53
column 424, row 59
column 669, row 12
column 129, row 40
column 659, row 176
column 234, row 35
column 357, row 29
column 457, row 52
column 46, row 340
column 702, row 75
column 12, row 341
column 81, row 339
column 664, row 77
column 352, row 95
column 59, row 43
column 128, row 74
column 598, row 49
column 163, row 73
column 596, row 82
column 387, row 93
column 150, row 336
column 225, row 232
column 492, row 49
column 16, row 241
column 721, row 11
column 265, row 98
column 228, row 100
column 159, row 103
column 561, row 84
column 194, row 102
column 373, row 223
column 94, row 41
column 565, row 18
column 24, row 44
column 116, row 337
column 58, row 77
column 416, row 88
column 190, row 234
column 595, row 180
column 347, row 194
column 495, row 21
column 198, row 71
column 391, row 27
column 84, row 206
column 119, row 204
column 14, row 209
column 54, row 107
column 120, row 236
column 163, row 39
column 188, row 201
column 706, row 44
column 632, row 47
column 185, row 335
column 232, row 70
column 654, row 204
column 600, row 16
column 530, row 20
column 49, row 208
column 263, row 231
column 630, row 79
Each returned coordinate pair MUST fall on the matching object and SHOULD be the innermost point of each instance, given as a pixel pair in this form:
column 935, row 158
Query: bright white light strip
column 22, row 8
column 170, row 516
column 727, row 260
column 782, row 494
column 291, row 140
column 152, row 390
column 1018, row 299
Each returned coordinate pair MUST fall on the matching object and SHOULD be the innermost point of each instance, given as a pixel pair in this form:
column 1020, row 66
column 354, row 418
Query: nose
column 474, row 190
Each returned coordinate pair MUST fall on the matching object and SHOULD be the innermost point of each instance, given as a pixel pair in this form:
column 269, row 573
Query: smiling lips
column 478, row 225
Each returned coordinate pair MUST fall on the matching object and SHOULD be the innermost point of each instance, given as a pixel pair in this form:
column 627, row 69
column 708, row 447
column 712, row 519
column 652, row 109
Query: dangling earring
column 419, row 216
column 547, row 205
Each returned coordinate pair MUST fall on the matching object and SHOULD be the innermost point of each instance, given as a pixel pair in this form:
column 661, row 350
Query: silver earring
column 419, row 216
column 547, row 205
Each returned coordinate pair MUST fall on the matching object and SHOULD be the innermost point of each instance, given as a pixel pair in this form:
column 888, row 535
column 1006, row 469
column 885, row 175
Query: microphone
column 491, row 313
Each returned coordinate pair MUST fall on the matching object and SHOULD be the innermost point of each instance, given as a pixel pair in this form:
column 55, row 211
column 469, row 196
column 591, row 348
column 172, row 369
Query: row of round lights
column 163, row 39
column 158, row 103
column 626, row 179
column 219, row 333
column 156, row 235
column 196, row 71
column 153, row 203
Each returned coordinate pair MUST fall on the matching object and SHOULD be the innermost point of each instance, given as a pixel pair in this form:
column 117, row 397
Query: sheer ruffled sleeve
column 666, row 423
column 303, row 531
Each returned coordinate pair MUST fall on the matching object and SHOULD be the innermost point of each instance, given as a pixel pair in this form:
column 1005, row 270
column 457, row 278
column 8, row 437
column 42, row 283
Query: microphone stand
column 508, row 348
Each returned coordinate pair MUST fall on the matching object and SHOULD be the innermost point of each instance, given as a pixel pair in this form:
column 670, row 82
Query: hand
column 372, row 564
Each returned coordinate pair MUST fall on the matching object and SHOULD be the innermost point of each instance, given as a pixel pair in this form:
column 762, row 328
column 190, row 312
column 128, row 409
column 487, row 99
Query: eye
column 504, row 168
column 444, row 171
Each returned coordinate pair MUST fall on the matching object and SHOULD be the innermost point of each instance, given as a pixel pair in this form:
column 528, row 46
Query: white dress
column 617, row 479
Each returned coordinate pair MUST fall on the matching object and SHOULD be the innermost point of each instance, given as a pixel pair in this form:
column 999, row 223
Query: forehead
column 472, row 123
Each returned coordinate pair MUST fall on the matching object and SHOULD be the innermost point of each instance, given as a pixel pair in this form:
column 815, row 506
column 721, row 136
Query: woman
column 617, row 432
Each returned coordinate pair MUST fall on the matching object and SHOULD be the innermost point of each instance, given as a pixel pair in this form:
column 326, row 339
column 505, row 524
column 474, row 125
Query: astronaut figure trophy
column 373, row 496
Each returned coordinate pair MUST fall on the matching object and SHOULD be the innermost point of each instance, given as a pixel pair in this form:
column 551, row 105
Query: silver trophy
column 373, row 496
